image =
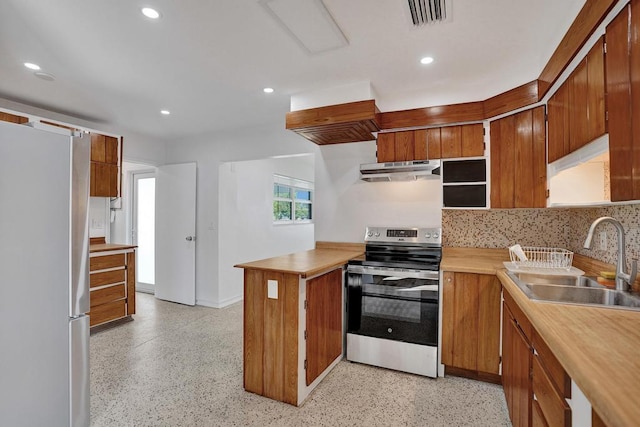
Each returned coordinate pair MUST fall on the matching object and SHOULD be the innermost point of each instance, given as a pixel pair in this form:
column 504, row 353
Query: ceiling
column 208, row 61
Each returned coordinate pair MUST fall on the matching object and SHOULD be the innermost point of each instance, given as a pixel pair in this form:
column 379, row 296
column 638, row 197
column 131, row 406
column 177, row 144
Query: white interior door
column 176, row 233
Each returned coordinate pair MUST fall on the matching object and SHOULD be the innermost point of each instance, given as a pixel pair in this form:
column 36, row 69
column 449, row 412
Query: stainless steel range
column 392, row 300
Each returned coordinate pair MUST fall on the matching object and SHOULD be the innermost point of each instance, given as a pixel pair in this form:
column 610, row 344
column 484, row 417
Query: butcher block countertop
column 307, row 263
column 104, row 247
column 598, row 347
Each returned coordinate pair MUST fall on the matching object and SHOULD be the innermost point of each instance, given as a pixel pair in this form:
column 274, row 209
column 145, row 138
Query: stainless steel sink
column 581, row 290
column 558, row 280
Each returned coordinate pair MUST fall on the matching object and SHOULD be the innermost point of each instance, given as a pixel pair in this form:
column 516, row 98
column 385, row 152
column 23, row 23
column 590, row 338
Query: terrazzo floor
column 176, row 365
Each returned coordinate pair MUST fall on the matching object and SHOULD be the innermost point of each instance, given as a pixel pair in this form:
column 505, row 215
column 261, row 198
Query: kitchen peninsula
column 293, row 327
column 112, row 281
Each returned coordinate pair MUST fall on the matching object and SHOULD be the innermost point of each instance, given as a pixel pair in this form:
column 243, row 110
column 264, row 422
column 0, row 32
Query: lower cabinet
column 535, row 384
column 112, row 286
column 471, row 325
column 277, row 321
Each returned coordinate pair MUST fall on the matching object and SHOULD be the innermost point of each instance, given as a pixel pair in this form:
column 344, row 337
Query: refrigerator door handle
column 79, row 371
column 80, row 181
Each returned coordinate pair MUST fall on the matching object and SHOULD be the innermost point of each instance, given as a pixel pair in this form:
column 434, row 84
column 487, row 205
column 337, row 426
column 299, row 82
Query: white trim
column 145, row 288
column 219, row 304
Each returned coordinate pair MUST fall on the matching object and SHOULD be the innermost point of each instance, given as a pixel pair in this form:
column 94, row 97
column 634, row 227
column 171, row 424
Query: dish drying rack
column 537, row 257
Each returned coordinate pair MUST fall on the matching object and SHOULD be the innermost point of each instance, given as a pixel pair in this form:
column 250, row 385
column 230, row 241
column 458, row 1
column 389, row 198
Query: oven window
column 401, row 309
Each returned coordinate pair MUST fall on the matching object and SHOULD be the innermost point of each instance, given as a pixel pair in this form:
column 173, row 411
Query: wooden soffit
column 336, row 124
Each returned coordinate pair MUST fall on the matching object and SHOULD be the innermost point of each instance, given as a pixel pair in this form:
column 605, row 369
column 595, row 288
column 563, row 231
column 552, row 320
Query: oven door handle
column 394, row 273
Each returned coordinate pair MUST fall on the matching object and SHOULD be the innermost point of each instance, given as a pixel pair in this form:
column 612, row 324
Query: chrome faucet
column 623, row 280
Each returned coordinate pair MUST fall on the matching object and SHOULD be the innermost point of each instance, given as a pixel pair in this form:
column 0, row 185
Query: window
column 292, row 200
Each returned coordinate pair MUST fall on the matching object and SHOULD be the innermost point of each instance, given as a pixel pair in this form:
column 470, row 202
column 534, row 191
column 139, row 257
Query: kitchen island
column 293, row 321
column 597, row 347
column 112, row 282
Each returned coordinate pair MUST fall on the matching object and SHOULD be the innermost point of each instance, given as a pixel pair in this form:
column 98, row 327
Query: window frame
column 294, row 185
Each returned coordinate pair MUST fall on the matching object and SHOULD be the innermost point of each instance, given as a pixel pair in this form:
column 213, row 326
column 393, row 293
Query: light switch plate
column 272, row 289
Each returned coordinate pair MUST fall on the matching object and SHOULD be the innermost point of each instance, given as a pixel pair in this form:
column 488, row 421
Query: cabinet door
column 113, row 180
column 516, row 359
column 518, row 160
column 324, row 322
column 386, row 147
column 6, row 117
column 579, row 122
column 102, row 179
column 98, row 153
column 451, row 141
column 434, row 143
column 111, row 150
column 472, row 140
column 618, row 67
column 595, row 91
column 420, row 147
column 471, row 322
column 404, row 146
column 558, row 113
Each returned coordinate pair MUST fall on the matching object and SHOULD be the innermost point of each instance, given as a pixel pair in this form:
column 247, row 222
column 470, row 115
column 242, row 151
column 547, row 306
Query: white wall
column 346, row 205
column 246, row 226
column 209, row 152
column 99, row 217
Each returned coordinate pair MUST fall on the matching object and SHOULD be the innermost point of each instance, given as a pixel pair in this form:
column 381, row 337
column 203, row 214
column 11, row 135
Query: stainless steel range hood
column 400, row 171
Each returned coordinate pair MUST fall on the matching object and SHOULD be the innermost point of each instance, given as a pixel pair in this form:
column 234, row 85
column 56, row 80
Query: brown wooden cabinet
column 577, row 109
column 622, row 63
column 274, row 325
column 518, row 160
column 433, row 143
column 516, row 363
column 471, row 325
column 105, row 164
column 112, row 285
column 324, row 323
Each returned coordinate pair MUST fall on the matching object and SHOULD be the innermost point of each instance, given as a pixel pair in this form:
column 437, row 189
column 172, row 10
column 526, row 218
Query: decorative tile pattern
column 565, row 228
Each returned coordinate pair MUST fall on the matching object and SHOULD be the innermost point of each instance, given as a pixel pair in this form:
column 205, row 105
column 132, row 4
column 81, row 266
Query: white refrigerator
column 44, row 276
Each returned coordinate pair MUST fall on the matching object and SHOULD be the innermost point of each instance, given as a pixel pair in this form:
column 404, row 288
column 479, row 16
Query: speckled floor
column 182, row 366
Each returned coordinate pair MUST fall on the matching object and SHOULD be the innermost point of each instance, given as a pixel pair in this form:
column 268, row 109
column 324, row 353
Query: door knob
column 190, row 238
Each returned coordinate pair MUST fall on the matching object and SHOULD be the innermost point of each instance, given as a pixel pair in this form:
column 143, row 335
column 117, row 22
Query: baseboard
column 474, row 375
column 219, row 304
column 146, row 289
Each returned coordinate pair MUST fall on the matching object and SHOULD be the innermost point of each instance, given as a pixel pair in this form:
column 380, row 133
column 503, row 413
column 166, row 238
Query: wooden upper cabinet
column 577, row 111
column 622, row 64
column 451, row 142
column 6, row 117
column 386, row 147
column 405, row 146
column 104, row 166
column 518, row 160
column 433, row 143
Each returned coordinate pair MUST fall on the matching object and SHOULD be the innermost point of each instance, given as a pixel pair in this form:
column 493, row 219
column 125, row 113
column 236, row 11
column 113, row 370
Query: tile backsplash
column 552, row 227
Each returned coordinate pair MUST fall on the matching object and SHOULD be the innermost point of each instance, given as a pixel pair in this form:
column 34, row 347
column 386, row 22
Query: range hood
column 400, row 171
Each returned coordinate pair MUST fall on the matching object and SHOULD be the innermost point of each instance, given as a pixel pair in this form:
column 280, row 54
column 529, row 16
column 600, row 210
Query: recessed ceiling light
column 165, row 112
column 150, row 13
column 426, row 60
column 32, row 66
column 268, row 90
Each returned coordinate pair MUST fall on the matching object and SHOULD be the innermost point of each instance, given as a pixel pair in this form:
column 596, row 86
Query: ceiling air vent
column 427, row 11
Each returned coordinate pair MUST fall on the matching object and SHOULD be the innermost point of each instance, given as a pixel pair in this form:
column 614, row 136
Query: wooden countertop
column 104, row 247
column 473, row 260
column 598, row 347
column 306, row 264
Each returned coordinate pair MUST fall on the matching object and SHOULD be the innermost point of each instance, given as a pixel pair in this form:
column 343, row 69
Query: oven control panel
column 401, row 234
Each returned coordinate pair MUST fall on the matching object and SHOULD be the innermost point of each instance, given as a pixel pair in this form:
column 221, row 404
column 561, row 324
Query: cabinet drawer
column 106, row 278
column 552, row 405
column 553, row 368
column 105, row 295
column 518, row 315
column 106, row 261
column 106, row 312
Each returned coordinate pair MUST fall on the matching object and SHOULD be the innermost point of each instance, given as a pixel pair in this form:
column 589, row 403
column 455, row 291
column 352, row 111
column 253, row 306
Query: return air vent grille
column 427, row 11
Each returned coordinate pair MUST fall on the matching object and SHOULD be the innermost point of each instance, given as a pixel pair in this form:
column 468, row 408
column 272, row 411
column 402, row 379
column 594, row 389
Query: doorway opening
column 143, row 226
